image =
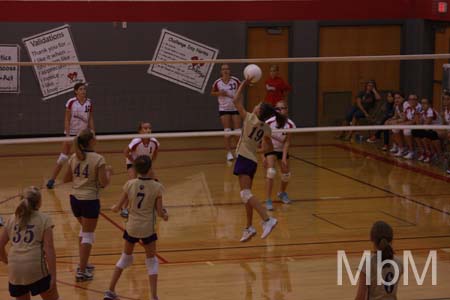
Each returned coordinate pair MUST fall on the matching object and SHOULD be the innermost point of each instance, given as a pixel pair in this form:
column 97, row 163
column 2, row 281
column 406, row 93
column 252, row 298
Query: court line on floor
column 368, row 184
column 394, row 162
column 117, row 225
column 91, row 290
column 328, row 221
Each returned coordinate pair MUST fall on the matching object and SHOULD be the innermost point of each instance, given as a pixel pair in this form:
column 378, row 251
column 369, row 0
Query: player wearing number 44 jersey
column 143, row 196
column 254, row 132
column 31, row 259
column 88, row 172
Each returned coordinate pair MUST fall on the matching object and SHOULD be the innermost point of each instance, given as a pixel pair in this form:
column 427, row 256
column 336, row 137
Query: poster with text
column 173, row 46
column 55, row 45
column 9, row 75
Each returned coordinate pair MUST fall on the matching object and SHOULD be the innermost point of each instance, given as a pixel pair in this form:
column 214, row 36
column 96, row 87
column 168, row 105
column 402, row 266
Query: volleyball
column 254, row 72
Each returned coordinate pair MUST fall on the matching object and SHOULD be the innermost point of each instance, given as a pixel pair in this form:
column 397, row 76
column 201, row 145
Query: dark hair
column 267, row 111
column 142, row 164
column 30, row 201
column 78, row 85
column 81, row 143
column 381, row 235
column 399, row 93
column 142, row 123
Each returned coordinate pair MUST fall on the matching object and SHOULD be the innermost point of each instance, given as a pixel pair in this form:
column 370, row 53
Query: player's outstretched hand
column 115, row 208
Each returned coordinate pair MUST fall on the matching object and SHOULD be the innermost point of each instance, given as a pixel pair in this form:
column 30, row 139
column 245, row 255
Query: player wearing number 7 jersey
column 88, row 172
column 31, row 259
column 254, row 132
column 143, row 196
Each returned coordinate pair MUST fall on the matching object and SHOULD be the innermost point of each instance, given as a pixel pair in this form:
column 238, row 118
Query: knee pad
column 152, row 264
column 407, row 132
column 87, row 238
column 62, row 159
column 246, row 195
column 271, row 172
column 124, row 261
column 285, row 177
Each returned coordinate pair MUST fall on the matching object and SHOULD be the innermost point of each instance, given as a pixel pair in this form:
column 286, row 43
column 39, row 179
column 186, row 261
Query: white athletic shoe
column 421, row 157
column 399, row 153
column 394, row 149
column 230, row 156
column 247, row 234
column 110, row 295
column 268, row 226
column 409, row 155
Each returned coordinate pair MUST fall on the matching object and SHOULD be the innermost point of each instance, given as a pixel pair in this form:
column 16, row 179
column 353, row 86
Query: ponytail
column 30, row 202
column 382, row 236
column 81, row 143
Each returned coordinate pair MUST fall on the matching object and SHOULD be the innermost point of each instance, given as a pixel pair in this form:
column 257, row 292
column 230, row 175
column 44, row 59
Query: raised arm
column 237, row 101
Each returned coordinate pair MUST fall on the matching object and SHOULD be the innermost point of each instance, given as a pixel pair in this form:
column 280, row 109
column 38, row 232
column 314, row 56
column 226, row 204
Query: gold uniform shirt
column 26, row 258
column 85, row 184
column 142, row 194
column 252, row 134
column 382, row 292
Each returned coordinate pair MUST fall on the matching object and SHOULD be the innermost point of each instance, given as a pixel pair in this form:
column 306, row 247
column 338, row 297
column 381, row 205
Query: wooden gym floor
column 338, row 191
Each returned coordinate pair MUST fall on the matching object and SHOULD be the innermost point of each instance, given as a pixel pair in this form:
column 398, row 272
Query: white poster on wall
column 173, row 46
column 9, row 75
column 54, row 45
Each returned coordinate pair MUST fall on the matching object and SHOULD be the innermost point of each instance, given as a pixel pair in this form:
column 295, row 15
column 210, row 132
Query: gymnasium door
column 339, row 82
column 264, row 42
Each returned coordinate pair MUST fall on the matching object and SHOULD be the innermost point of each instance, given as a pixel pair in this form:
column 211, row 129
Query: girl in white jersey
column 224, row 89
column 428, row 140
column 31, row 259
column 254, row 132
column 281, row 143
column 88, row 172
column 137, row 147
column 144, row 197
column 78, row 116
column 381, row 236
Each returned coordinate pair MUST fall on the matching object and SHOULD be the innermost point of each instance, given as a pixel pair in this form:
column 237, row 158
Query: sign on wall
column 55, row 45
column 9, row 75
column 172, row 46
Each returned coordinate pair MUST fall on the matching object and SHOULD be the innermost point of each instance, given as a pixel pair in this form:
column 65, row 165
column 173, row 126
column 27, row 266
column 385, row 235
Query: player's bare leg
column 63, row 157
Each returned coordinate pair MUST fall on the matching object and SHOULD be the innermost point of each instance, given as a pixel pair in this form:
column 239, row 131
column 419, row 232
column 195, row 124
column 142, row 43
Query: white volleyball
column 254, row 72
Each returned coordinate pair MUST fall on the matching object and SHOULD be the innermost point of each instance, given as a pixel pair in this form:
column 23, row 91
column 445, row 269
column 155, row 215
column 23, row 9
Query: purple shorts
column 89, row 209
column 245, row 166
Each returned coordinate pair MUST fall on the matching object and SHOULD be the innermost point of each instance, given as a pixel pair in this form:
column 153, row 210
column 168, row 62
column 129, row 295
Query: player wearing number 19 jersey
column 255, row 131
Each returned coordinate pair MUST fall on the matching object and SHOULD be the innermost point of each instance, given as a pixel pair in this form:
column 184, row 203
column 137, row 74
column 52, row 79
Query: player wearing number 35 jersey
column 31, row 259
column 255, row 131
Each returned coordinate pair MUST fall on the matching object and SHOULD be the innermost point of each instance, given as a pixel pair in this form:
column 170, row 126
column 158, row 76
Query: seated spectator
column 388, row 109
column 409, row 118
column 427, row 140
column 445, row 115
column 365, row 101
column 276, row 87
column 400, row 106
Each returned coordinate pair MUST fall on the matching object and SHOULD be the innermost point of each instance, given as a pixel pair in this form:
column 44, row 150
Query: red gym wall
column 69, row 11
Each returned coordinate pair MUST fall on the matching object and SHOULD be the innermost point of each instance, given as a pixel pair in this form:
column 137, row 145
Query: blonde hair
column 31, row 198
column 81, row 143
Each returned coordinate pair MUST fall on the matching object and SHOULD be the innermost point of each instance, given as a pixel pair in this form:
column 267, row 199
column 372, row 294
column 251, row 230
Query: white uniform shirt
column 79, row 115
column 226, row 102
column 430, row 113
column 447, row 115
column 279, row 138
column 138, row 147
